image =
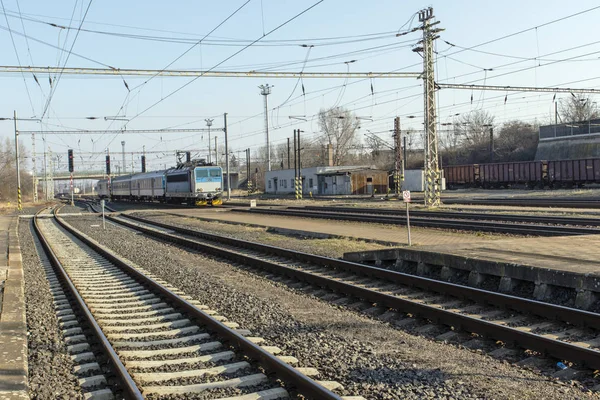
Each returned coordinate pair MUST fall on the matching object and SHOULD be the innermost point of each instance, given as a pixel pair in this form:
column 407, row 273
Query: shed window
column 269, row 184
column 310, row 182
column 370, row 179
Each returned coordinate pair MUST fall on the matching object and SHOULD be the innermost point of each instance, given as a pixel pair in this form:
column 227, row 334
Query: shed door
column 370, row 185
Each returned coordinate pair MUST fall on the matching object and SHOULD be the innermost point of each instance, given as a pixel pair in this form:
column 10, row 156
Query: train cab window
column 201, row 173
column 215, row 173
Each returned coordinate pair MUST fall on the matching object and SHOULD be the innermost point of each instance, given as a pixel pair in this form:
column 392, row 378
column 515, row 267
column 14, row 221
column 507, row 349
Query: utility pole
column 265, row 90
column 248, row 173
column 19, row 205
column 398, row 161
column 433, row 176
column 209, row 124
column 227, row 157
column 296, row 166
column 50, row 180
column 124, row 168
column 288, row 152
column 34, row 173
column 216, row 152
column 491, row 144
column 45, row 174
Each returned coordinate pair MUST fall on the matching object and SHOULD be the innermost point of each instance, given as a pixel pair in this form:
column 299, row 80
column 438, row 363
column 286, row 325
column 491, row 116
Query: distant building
column 345, row 180
column 570, row 141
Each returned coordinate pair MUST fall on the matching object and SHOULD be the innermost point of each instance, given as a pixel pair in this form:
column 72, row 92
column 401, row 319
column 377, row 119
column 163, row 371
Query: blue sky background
column 467, row 23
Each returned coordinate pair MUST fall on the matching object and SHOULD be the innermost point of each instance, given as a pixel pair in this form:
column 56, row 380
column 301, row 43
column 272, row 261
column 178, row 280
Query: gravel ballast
column 367, row 356
column 50, row 366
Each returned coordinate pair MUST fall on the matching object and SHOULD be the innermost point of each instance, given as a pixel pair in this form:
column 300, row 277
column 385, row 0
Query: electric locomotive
column 193, row 182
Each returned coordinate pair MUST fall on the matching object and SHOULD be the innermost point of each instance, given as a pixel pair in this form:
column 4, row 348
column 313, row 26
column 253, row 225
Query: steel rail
column 542, row 219
column 555, row 348
column 127, row 383
column 528, row 202
column 286, row 373
column 481, row 226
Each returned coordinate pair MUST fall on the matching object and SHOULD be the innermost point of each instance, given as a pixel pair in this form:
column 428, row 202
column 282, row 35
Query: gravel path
column 367, row 356
column 50, row 365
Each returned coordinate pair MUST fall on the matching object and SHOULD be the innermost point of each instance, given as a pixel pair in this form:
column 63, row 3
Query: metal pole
column 266, row 91
column 72, row 190
column 300, row 165
column 124, row 167
column 209, row 124
column 288, row 153
column 35, row 194
column 492, row 144
column 19, row 205
column 45, row 174
column 216, row 152
column 103, row 223
column 249, row 181
column 408, row 224
column 227, row 157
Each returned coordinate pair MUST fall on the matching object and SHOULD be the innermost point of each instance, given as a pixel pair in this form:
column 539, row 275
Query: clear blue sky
column 466, row 23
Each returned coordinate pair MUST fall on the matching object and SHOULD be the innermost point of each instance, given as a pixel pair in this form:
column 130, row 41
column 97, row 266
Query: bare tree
column 578, row 109
column 517, row 141
column 339, row 127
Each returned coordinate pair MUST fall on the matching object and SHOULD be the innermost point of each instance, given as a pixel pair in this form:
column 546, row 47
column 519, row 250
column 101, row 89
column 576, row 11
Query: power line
column 18, row 60
column 56, row 81
column 229, row 57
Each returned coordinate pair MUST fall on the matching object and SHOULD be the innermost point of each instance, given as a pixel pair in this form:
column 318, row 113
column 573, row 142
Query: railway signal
column 71, row 167
column 143, row 164
column 108, row 165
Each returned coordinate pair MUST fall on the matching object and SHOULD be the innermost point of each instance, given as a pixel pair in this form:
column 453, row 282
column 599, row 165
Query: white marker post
column 103, row 224
column 406, row 198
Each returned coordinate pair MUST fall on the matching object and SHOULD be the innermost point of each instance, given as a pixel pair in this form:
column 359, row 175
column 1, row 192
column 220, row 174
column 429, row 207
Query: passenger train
column 191, row 183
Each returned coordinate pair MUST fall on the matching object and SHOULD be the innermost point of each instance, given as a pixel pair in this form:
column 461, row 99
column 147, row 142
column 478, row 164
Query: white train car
column 121, row 187
column 148, row 186
column 102, row 189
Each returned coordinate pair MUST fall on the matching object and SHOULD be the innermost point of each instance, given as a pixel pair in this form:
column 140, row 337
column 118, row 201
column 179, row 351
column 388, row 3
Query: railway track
column 536, row 219
column 454, row 222
column 530, row 202
column 160, row 342
column 563, row 333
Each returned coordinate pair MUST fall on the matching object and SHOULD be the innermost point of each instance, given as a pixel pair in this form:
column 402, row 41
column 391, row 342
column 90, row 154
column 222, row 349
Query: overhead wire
column 57, row 80
column 18, row 60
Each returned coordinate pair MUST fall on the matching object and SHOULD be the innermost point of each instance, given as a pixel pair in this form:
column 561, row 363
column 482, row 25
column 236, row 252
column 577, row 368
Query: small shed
column 352, row 181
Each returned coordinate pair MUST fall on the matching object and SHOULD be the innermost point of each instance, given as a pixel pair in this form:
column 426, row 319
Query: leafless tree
column 578, row 109
column 338, row 126
column 517, row 141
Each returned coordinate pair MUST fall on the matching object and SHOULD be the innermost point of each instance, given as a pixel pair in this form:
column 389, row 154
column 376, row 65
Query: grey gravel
column 50, row 365
column 368, row 357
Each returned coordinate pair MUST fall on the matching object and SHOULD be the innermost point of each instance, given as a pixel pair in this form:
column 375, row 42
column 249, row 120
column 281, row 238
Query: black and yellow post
column 19, row 203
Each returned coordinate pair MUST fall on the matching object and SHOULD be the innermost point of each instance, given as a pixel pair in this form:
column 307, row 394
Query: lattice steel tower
column 433, row 175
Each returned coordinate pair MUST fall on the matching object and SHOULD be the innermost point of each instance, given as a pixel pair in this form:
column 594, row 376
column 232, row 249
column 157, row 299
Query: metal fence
column 573, row 129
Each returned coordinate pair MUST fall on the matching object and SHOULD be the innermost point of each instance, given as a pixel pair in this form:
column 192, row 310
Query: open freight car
column 569, row 173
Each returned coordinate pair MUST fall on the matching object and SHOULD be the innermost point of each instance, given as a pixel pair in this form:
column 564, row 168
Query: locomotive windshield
column 208, row 174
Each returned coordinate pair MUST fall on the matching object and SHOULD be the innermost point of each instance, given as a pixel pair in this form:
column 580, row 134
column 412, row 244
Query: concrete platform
column 377, row 233
column 13, row 325
column 566, row 267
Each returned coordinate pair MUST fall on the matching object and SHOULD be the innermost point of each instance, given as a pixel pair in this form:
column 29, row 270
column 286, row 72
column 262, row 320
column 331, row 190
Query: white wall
column 414, row 180
column 285, row 180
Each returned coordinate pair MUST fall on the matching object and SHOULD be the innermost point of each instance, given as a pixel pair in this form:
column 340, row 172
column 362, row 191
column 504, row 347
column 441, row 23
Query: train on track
column 195, row 183
column 531, row 174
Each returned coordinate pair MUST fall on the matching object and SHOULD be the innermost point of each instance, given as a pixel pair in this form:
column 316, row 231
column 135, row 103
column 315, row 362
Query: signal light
column 143, row 163
column 107, row 165
column 70, row 152
column 188, row 156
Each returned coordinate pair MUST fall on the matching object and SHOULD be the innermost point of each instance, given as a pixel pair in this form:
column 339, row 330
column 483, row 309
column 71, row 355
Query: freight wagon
column 540, row 174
